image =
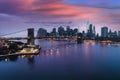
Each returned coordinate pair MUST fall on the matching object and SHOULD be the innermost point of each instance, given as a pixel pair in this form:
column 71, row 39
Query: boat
column 30, row 49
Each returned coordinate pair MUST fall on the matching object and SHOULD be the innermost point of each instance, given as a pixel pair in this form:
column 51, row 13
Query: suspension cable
column 13, row 33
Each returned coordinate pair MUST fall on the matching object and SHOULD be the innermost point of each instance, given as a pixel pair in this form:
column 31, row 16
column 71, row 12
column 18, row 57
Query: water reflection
column 90, row 42
column 86, row 49
column 104, row 44
column 31, row 59
column 87, row 61
column 89, row 48
column 54, row 48
column 13, row 58
column 57, row 52
column 9, row 58
column 57, row 49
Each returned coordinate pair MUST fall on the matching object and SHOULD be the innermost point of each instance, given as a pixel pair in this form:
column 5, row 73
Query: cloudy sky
column 16, row 15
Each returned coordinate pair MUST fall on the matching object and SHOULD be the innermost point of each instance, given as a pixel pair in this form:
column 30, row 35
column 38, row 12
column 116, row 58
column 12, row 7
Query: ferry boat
column 30, row 49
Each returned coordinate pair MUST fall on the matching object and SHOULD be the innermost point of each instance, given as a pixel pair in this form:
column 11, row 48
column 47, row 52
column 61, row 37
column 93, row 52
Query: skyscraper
column 90, row 31
column 104, row 32
column 54, row 32
column 94, row 31
column 67, row 27
column 61, row 31
column 87, row 27
column 68, row 30
column 118, row 33
column 112, row 34
column 42, row 32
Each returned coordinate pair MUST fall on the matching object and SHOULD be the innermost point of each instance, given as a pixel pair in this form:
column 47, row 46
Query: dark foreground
column 64, row 61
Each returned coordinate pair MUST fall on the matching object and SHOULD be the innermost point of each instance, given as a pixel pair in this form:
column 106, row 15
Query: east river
column 59, row 60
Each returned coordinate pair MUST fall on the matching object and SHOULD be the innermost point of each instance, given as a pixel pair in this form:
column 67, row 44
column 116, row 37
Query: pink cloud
column 53, row 10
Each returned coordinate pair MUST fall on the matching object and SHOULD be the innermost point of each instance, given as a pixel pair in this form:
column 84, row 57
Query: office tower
column 75, row 32
column 104, row 32
column 94, row 31
column 54, row 32
column 84, row 34
column 90, row 31
column 68, row 30
column 42, row 32
column 87, row 27
column 118, row 33
column 112, row 34
column 61, row 31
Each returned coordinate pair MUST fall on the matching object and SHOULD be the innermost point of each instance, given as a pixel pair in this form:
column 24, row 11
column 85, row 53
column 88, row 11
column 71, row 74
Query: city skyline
column 20, row 14
column 90, row 32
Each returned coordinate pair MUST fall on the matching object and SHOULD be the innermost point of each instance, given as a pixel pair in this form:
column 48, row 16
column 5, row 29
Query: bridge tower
column 31, row 40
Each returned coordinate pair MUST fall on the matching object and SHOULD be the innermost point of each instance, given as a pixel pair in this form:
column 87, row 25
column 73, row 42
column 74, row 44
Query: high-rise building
column 90, row 31
column 42, row 32
column 84, row 34
column 104, row 32
column 54, row 32
column 61, row 31
column 75, row 32
column 68, row 30
column 87, row 27
column 118, row 33
column 94, row 31
column 112, row 34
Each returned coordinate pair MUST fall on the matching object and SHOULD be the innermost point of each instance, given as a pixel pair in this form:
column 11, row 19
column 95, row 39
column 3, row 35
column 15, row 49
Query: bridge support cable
column 13, row 33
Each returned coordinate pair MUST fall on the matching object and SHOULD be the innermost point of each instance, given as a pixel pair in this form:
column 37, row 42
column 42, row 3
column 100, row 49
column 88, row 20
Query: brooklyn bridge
column 31, row 36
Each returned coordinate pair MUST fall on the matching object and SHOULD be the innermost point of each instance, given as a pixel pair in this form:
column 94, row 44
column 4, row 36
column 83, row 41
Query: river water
column 60, row 60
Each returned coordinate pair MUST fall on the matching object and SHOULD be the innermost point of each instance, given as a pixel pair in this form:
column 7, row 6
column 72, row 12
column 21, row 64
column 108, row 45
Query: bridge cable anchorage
column 13, row 32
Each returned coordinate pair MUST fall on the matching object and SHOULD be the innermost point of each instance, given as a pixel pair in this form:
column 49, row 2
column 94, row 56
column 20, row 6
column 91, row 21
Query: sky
column 17, row 15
